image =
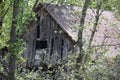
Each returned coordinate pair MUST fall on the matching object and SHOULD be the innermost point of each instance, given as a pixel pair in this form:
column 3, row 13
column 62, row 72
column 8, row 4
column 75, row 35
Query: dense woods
column 92, row 53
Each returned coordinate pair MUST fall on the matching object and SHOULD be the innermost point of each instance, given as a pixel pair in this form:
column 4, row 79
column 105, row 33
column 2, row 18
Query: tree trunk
column 12, row 41
column 80, row 37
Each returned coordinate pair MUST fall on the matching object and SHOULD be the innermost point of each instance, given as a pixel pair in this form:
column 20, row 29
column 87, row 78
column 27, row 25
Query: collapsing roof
column 68, row 17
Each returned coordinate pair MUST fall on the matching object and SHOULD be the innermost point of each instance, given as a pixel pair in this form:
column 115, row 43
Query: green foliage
column 3, row 7
column 29, row 75
column 111, row 5
column 118, row 6
column 25, row 15
column 88, row 70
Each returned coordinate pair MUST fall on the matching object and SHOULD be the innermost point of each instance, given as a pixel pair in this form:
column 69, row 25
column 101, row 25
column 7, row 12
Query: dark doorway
column 41, row 44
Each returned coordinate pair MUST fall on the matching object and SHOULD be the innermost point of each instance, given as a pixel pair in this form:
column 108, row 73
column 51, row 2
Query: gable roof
column 68, row 17
column 63, row 16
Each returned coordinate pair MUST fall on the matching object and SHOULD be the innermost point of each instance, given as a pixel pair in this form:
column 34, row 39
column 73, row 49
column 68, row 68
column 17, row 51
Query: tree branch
column 99, row 4
column 106, row 45
column 1, row 19
column 5, row 13
column 36, row 2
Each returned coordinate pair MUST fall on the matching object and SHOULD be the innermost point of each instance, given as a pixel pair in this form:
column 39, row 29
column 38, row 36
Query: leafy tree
column 12, row 14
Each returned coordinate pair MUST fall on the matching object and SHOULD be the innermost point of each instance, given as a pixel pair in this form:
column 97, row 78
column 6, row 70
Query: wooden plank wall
column 57, row 41
column 30, row 38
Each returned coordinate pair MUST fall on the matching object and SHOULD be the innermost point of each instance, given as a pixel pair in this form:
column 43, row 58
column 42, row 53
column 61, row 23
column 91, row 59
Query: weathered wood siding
column 57, row 40
column 30, row 39
column 47, row 30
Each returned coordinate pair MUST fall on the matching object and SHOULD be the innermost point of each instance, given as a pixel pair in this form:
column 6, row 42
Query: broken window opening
column 38, row 18
column 52, row 43
column 41, row 44
column 62, row 45
column 38, row 31
column 38, row 27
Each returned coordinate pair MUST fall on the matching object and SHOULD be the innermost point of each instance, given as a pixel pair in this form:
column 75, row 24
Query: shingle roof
column 64, row 17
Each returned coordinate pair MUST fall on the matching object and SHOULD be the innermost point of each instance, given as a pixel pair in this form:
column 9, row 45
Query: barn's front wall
column 57, row 41
column 47, row 42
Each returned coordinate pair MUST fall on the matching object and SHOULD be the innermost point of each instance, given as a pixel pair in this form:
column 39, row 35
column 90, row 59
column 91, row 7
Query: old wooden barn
column 54, row 35
column 50, row 39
